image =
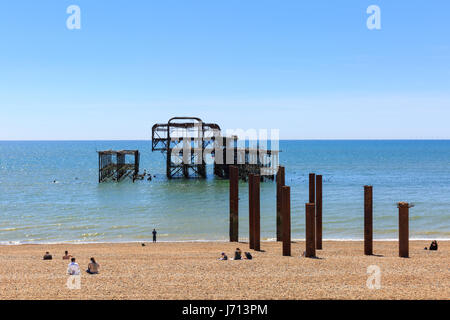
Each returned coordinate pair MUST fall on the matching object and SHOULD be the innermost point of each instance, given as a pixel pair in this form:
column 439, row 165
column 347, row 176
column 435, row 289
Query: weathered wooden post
column 250, row 210
column 403, row 229
column 256, row 212
column 368, row 220
column 280, row 183
column 312, row 188
column 286, row 218
column 318, row 212
column 310, row 209
column 234, row 204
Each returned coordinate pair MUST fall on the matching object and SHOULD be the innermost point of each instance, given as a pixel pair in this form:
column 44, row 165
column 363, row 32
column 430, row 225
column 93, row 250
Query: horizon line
column 291, row 139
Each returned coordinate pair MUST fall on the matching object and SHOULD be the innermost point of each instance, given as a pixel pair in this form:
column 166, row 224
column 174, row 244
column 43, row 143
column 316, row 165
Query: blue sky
column 309, row 68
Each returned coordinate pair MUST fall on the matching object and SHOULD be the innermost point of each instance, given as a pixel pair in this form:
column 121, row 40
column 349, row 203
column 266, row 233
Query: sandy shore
column 192, row 271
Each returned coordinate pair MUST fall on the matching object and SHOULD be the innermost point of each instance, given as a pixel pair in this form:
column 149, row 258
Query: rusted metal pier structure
column 115, row 165
column 184, row 140
column 188, row 141
column 249, row 161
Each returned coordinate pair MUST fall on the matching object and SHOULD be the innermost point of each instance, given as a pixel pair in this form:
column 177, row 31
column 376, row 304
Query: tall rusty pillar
column 310, row 209
column 234, row 204
column 250, row 210
column 368, row 220
column 280, row 183
column 312, row 188
column 286, row 218
column 403, row 229
column 319, row 212
column 256, row 213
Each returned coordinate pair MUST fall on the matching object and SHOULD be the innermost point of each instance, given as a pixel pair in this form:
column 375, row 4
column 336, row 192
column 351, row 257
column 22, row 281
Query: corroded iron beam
column 310, row 209
column 319, row 212
column 368, row 220
column 280, row 183
column 234, row 204
column 286, row 218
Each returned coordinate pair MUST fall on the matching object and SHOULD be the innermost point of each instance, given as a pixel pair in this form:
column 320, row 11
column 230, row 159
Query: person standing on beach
column 154, row 235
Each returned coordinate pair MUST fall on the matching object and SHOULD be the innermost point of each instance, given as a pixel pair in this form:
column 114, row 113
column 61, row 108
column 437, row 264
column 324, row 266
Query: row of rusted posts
column 283, row 217
column 254, row 216
column 403, row 225
column 313, row 215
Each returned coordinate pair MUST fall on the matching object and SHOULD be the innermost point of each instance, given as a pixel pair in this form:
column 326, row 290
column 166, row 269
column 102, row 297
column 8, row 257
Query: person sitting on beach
column 434, row 245
column 93, row 267
column 238, row 254
column 248, row 256
column 223, row 256
column 47, row 256
column 73, row 268
column 67, row 256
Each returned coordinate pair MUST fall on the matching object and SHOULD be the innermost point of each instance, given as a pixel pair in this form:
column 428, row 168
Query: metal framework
column 113, row 165
column 186, row 140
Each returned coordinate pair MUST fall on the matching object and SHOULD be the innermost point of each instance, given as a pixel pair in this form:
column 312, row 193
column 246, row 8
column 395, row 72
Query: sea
column 49, row 193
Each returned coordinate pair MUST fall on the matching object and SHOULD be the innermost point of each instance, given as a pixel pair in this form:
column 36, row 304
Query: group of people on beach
column 73, row 268
column 248, row 256
column 237, row 255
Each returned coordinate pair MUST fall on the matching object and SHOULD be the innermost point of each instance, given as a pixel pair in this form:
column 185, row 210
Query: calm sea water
column 77, row 208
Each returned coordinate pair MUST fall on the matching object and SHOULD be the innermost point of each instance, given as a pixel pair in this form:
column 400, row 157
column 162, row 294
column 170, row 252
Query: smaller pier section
column 118, row 165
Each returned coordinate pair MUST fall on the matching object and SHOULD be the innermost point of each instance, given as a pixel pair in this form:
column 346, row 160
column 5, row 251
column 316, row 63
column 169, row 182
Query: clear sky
column 309, row 68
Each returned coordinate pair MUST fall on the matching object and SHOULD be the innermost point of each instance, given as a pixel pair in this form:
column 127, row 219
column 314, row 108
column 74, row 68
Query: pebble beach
column 191, row 270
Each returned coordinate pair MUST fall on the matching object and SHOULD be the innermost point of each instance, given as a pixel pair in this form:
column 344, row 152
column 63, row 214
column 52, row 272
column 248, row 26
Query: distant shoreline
column 244, row 240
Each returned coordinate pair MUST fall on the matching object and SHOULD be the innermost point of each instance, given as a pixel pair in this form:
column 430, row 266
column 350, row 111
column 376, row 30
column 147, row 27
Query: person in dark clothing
column 434, row 245
column 47, row 256
column 154, row 235
column 223, row 256
column 238, row 254
column 248, row 255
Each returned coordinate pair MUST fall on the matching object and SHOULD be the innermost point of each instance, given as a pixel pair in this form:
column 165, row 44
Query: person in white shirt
column 73, row 268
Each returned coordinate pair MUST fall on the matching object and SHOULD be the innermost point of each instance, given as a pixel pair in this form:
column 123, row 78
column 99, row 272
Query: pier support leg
column 286, row 218
column 310, row 210
column 234, row 204
column 319, row 212
column 368, row 220
column 280, row 183
column 256, row 213
column 312, row 188
column 403, row 229
column 250, row 210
